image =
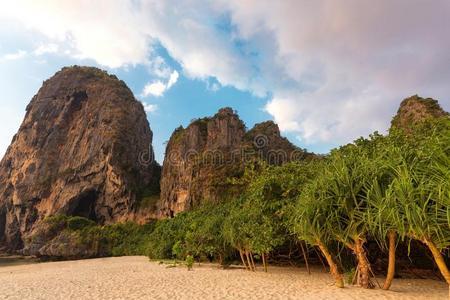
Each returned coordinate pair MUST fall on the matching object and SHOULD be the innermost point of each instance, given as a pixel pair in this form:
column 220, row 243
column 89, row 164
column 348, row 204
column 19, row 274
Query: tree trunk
column 333, row 266
column 242, row 258
column 320, row 258
column 220, row 259
column 248, row 261
column 305, row 257
column 439, row 259
column 264, row 262
column 392, row 236
column 363, row 278
column 253, row 262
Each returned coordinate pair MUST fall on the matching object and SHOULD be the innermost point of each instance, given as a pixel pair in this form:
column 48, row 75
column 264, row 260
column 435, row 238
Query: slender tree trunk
column 264, row 262
column 333, row 266
column 305, row 257
column 320, row 258
column 363, row 278
column 392, row 236
column 253, row 262
column 242, row 258
column 248, row 261
column 220, row 259
column 439, row 259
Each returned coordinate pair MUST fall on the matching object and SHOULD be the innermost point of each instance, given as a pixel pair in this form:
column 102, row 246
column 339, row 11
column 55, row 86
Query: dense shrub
column 109, row 240
column 79, row 223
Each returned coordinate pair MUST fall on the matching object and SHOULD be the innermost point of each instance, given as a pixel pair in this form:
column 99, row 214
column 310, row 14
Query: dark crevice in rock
column 84, row 205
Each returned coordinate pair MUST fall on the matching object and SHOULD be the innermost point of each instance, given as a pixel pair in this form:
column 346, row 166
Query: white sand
column 137, row 278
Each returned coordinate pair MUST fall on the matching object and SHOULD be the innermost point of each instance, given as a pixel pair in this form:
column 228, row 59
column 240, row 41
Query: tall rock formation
column 414, row 110
column 201, row 157
column 84, row 148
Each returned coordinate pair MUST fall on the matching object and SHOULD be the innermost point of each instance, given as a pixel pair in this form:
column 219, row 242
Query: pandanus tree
column 425, row 213
column 349, row 172
column 385, row 222
column 424, row 191
column 309, row 221
column 410, row 197
column 383, row 216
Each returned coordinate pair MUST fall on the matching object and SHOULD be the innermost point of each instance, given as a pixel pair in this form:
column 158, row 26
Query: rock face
column 201, row 157
column 414, row 110
column 84, row 148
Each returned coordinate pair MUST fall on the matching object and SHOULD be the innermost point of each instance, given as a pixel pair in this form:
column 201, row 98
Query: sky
column 326, row 71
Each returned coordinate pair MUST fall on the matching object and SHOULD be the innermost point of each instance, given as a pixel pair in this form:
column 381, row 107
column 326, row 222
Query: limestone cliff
column 414, row 110
column 84, row 148
column 201, row 157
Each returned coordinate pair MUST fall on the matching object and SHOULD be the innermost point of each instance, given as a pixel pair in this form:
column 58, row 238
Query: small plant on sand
column 189, row 262
column 350, row 275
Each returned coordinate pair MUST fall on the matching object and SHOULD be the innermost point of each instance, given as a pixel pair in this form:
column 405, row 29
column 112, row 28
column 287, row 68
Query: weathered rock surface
column 414, row 110
column 201, row 157
column 83, row 149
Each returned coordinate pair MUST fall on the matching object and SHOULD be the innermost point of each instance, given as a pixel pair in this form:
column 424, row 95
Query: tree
column 237, row 232
column 309, row 218
column 265, row 199
column 422, row 188
column 344, row 182
column 411, row 197
column 205, row 232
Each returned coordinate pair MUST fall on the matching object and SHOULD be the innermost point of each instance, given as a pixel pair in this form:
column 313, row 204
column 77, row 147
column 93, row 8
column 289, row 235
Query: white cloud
column 172, row 79
column 13, row 56
column 158, row 67
column 150, row 108
column 212, row 86
column 158, row 88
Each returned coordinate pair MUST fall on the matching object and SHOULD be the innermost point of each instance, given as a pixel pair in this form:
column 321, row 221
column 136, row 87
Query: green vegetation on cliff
column 109, row 240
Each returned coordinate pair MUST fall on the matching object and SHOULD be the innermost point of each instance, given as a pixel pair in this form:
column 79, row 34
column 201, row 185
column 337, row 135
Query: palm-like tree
column 349, row 173
column 309, row 220
column 416, row 202
column 383, row 214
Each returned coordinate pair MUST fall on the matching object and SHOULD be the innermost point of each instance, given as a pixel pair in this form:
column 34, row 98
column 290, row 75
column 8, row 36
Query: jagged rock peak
column 84, row 148
column 201, row 157
column 414, row 110
column 266, row 127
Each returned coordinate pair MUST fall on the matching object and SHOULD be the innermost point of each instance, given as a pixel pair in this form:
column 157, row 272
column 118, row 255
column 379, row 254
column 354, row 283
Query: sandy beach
column 137, row 278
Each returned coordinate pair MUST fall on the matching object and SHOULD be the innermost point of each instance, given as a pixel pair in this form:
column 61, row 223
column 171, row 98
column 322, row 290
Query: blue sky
column 327, row 72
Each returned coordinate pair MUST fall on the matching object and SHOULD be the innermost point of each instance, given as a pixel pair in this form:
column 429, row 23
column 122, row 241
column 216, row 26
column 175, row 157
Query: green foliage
column 56, row 221
column 79, row 223
column 349, row 276
column 189, row 262
column 109, row 240
column 164, row 236
column 177, row 250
